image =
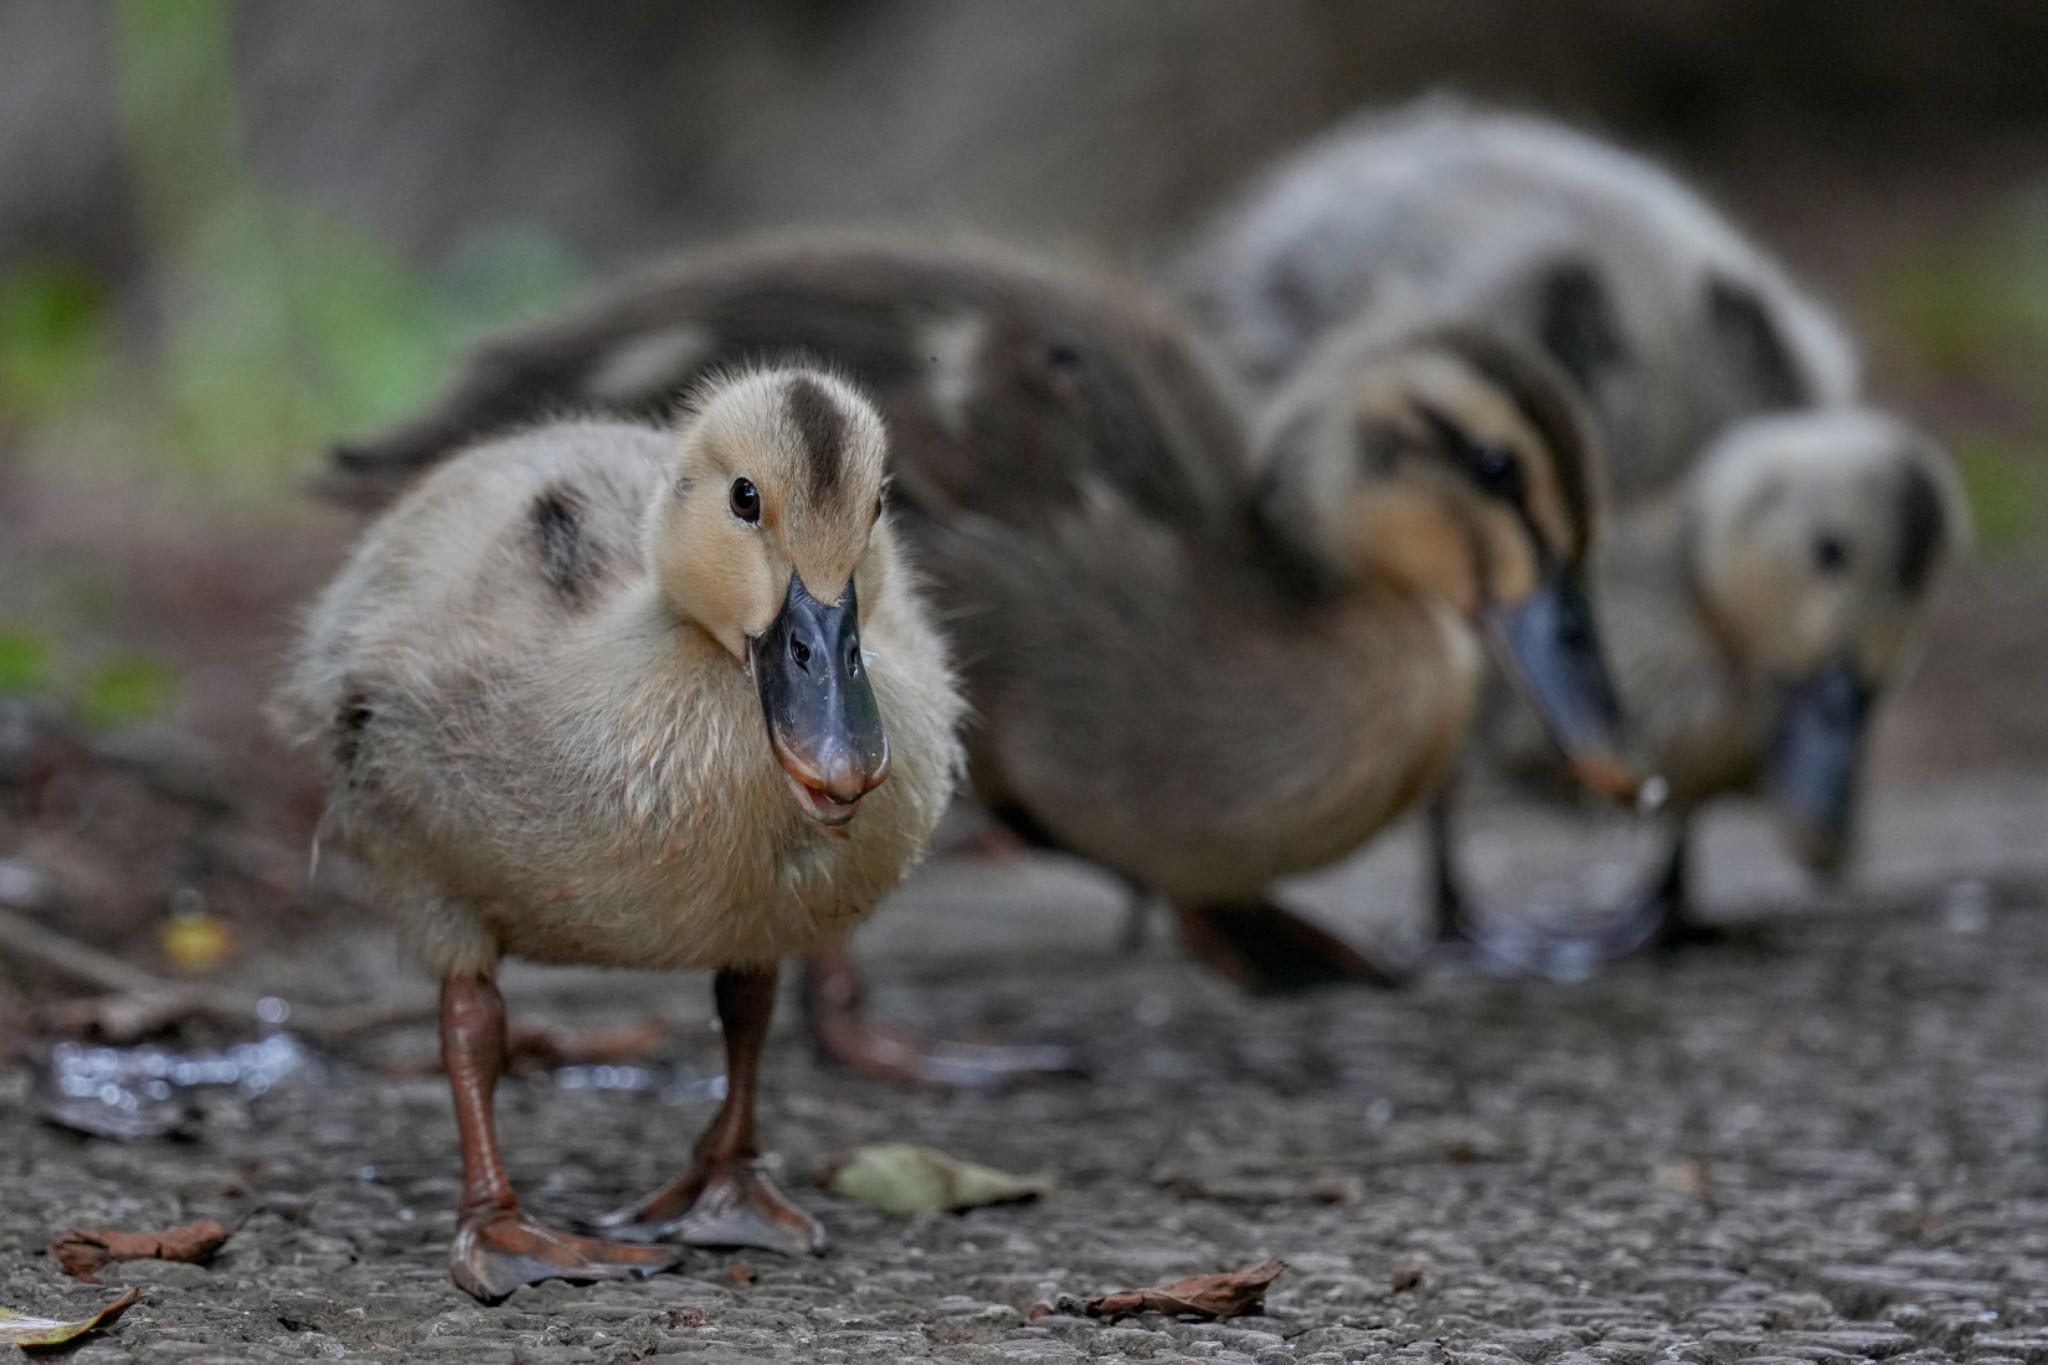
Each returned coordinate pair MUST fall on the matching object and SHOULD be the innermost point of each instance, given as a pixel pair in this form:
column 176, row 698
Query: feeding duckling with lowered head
column 598, row 693
column 1757, row 505
column 1202, row 666
column 1756, row 618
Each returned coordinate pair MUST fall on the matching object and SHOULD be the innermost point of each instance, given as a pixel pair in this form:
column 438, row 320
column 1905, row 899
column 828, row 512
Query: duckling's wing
column 482, row 570
column 1012, row 392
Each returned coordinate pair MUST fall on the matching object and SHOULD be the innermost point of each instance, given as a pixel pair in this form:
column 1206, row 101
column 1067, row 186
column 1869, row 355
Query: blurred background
column 231, row 232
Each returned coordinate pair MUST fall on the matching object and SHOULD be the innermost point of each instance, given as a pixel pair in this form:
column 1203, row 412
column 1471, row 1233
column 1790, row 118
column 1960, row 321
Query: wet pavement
column 1827, row 1141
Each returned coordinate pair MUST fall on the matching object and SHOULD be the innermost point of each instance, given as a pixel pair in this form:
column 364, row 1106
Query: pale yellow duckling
column 1755, row 618
column 606, row 694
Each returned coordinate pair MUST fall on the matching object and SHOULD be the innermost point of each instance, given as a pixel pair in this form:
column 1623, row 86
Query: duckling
column 1199, row 663
column 1672, row 322
column 600, row 693
column 1800, row 563
column 1679, row 332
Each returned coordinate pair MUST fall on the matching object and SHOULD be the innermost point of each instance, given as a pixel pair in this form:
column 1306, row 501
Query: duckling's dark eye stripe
column 1548, row 414
column 823, row 432
column 1461, row 449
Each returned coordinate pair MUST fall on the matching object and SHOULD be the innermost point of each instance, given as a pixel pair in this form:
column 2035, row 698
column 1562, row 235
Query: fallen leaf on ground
column 20, row 1329
column 899, row 1177
column 1231, row 1294
column 535, row 1048
column 547, row 1047
column 1684, row 1177
column 84, row 1254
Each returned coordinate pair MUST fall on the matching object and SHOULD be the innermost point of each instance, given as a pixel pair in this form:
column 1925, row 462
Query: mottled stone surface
column 1828, row 1144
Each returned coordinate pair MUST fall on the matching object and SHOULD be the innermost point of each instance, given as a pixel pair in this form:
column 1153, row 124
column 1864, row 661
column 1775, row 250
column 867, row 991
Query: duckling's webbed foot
column 1266, row 949
column 497, row 1247
column 845, row 1034
column 498, row 1250
column 720, row 1204
column 723, row 1199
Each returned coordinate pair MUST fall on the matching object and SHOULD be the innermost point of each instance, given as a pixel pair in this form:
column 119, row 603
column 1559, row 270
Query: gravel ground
column 1830, row 1141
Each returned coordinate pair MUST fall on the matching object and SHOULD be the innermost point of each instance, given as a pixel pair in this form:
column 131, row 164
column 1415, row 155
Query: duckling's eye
column 1497, row 471
column 1830, row 553
column 746, row 500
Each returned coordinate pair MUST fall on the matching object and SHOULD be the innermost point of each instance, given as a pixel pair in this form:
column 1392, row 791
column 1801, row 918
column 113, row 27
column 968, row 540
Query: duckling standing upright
column 1201, row 665
column 598, row 693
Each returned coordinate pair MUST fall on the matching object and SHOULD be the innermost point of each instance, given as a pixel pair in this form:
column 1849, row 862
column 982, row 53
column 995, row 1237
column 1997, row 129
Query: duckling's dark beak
column 822, row 720
column 1814, row 758
column 1549, row 646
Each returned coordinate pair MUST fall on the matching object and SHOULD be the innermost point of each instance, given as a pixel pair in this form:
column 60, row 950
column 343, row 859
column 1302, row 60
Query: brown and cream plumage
column 1202, row 661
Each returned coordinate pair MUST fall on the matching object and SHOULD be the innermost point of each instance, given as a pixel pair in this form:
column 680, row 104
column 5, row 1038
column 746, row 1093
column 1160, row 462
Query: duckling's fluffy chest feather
column 537, row 758
column 643, row 820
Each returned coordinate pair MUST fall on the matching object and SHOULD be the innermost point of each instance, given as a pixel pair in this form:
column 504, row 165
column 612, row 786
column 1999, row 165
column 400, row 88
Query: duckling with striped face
column 1456, row 463
column 600, row 693
column 1756, row 618
column 1815, row 541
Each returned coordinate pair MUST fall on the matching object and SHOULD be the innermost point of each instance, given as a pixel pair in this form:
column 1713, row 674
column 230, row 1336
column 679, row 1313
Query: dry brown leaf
column 1684, row 1177
column 548, row 1047
column 1230, row 1294
column 27, row 1332
column 532, row 1049
column 84, row 1254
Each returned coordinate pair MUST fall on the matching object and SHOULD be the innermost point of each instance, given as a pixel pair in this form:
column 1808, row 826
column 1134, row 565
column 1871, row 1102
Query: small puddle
column 146, row 1091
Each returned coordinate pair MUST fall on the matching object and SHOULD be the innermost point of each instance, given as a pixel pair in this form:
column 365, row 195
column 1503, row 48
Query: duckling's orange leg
column 497, row 1247
column 1269, row 950
column 845, row 1034
column 723, row 1199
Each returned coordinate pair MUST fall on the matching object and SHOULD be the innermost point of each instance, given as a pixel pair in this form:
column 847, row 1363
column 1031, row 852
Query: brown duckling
column 1200, row 665
column 605, row 694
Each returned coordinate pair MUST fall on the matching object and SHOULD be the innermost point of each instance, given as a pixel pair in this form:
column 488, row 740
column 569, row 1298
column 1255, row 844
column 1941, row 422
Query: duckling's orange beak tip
column 822, row 721
column 1550, row 648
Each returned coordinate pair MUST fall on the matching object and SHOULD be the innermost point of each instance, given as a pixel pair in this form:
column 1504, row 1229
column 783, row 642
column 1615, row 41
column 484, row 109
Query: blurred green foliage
column 1978, row 305
column 53, row 337
column 2006, row 482
column 125, row 690
column 1973, row 312
column 117, row 691
column 277, row 327
column 28, row 663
